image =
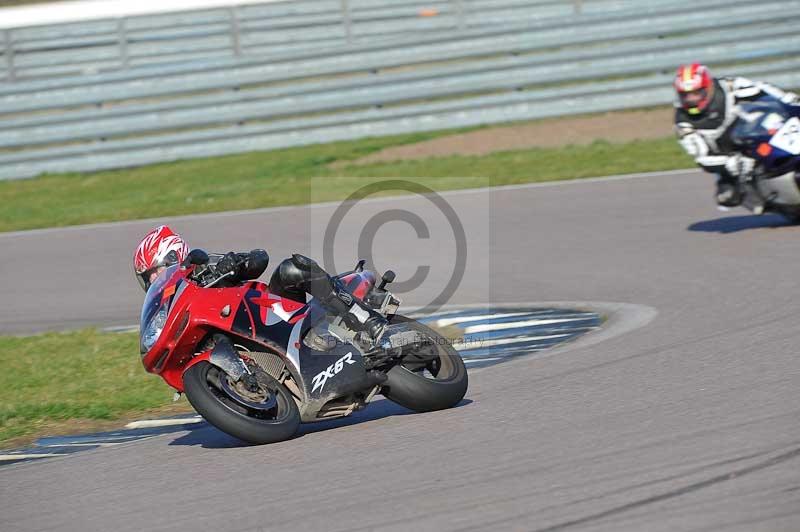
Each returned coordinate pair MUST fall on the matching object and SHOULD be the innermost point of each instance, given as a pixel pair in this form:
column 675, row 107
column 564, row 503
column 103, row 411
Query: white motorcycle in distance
column 769, row 132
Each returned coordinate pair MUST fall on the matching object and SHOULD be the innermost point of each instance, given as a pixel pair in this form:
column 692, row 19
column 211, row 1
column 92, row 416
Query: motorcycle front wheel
column 433, row 377
column 266, row 415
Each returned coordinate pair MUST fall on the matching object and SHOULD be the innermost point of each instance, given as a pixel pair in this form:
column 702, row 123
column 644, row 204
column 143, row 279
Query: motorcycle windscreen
column 154, row 299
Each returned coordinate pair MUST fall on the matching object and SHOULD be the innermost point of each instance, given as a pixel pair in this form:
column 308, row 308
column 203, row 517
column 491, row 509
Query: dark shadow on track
column 733, row 224
column 210, row 437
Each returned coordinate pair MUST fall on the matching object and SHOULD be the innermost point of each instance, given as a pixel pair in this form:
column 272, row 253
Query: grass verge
column 80, row 381
column 72, row 382
column 283, row 177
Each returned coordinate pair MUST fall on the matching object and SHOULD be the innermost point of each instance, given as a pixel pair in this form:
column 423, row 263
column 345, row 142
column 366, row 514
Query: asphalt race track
column 688, row 422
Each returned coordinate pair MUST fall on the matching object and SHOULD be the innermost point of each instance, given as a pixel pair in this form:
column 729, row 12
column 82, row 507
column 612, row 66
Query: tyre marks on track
column 491, row 336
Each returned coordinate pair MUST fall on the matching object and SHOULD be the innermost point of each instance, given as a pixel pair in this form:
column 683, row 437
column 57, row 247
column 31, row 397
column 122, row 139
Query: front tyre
column 267, row 414
column 433, row 377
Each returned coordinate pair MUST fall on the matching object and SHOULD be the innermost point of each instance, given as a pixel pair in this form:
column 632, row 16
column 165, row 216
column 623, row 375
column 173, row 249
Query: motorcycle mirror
column 387, row 278
column 196, row 257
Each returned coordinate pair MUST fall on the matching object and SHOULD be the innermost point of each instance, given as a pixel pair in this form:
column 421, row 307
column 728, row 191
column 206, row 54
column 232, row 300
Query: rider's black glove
column 229, row 264
column 255, row 263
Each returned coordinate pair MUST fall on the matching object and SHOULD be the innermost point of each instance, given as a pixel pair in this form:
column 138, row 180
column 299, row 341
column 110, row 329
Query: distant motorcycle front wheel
column 265, row 414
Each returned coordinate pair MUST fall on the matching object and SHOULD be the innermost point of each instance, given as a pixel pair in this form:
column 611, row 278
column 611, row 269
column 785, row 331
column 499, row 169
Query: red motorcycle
column 255, row 365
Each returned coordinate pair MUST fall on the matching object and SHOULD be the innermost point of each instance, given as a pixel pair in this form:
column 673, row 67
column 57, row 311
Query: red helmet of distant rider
column 695, row 87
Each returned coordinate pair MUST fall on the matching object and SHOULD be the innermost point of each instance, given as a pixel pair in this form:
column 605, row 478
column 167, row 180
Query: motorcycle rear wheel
column 275, row 418
column 435, row 378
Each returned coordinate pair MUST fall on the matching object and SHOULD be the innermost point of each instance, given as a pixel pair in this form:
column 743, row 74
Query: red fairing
column 359, row 283
column 196, row 312
column 175, row 373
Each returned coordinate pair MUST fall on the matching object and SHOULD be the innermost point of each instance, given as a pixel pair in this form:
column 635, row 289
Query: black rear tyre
column 434, row 378
column 212, row 399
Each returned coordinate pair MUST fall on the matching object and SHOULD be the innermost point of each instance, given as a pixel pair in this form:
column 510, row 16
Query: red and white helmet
column 695, row 87
column 161, row 247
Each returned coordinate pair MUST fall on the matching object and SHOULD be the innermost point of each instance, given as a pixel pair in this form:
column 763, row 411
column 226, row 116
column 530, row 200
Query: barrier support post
column 122, row 40
column 347, row 21
column 236, row 36
column 9, row 53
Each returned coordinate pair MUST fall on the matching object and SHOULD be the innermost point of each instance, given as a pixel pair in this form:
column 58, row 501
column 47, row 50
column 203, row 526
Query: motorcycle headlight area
column 153, row 329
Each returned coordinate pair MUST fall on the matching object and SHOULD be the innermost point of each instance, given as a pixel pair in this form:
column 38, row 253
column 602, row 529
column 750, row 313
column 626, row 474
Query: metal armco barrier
column 187, row 85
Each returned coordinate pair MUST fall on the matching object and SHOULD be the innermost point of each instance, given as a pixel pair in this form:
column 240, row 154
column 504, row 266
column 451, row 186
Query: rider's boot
column 355, row 314
column 728, row 194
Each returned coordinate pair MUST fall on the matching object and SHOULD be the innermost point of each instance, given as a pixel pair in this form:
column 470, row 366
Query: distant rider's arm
column 727, row 166
column 745, row 89
column 696, row 146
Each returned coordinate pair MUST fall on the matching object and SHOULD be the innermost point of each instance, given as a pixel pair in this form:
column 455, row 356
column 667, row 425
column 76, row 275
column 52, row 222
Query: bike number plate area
column 787, row 137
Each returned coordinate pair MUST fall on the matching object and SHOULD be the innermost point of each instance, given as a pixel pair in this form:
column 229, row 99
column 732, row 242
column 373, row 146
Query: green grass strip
column 84, row 374
column 283, row 177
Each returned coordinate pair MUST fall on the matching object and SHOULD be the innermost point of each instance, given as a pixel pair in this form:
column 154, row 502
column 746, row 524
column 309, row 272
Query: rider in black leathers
column 299, row 275
column 293, row 278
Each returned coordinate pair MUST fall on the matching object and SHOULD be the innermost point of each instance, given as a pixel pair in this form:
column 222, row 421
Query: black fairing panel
column 321, row 381
column 324, row 375
column 320, row 375
column 248, row 323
